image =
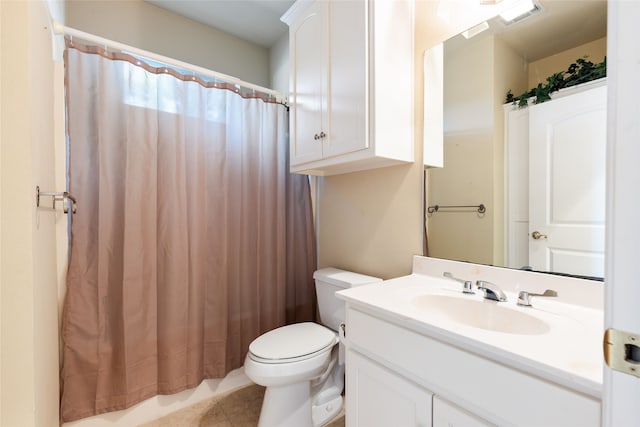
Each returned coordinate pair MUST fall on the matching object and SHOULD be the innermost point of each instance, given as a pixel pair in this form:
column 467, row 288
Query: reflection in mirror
column 483, row 164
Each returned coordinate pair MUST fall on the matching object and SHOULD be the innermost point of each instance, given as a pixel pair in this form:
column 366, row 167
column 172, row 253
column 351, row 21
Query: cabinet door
column 378, row 397
column 446, row 414
column 308, row 46
column 347, row 100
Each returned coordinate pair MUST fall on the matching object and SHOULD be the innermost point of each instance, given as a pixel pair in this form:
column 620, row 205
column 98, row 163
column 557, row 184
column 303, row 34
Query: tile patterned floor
column 238, row 408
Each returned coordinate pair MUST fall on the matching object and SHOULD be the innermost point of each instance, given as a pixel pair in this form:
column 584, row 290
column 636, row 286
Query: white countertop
column 568, row 353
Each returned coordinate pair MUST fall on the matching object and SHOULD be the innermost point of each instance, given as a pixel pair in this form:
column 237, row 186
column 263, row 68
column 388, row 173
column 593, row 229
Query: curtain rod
column 60, row 29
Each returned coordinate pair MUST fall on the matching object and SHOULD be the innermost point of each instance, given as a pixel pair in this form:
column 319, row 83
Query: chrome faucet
column 524, row 297
column 491, row 291
column 467, row 285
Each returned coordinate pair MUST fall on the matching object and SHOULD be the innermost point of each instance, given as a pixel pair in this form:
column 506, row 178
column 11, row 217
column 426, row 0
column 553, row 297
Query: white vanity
column 420, row 352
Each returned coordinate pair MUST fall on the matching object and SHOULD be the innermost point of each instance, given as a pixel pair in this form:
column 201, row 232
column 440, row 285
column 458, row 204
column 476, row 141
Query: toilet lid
column 293, row 341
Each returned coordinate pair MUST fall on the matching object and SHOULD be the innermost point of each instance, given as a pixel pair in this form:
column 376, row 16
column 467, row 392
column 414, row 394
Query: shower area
column 188, row 237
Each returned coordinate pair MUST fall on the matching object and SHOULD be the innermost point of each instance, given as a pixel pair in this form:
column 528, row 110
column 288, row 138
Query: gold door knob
column 537, row 235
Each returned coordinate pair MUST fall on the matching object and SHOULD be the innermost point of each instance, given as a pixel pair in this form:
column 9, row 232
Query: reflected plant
column 581, row 71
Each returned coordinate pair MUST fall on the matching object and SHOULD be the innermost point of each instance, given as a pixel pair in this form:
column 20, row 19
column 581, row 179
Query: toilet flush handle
column 343, row 329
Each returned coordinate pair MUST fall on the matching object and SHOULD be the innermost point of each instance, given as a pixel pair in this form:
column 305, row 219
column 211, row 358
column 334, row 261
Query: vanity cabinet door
column 378, row 397
column 446, row 414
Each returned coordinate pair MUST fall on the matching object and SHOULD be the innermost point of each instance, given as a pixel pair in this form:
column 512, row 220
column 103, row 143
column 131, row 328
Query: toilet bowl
column 300, row 365
column 285, row 360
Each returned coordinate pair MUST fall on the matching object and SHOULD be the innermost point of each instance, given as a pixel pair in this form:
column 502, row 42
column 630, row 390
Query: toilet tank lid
column 343, row 278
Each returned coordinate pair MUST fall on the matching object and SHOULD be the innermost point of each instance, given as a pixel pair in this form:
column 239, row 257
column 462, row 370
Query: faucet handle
column 467, row 285
column 524, row 297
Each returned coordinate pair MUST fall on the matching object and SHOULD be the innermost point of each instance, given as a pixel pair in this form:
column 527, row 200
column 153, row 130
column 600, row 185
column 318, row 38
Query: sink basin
column 488, row 315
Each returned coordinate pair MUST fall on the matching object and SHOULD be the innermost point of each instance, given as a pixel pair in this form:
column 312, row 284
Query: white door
column 621, row 392
column 567, row 152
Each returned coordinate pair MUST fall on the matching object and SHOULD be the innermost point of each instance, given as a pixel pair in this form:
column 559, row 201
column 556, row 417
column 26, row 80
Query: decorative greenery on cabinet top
column 581, row 71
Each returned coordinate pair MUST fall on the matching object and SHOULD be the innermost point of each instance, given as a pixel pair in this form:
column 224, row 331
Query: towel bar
column 435, row 208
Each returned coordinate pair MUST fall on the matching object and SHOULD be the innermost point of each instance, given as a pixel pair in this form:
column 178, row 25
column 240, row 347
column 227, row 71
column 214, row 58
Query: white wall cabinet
column 351, row 85
column 398, row 376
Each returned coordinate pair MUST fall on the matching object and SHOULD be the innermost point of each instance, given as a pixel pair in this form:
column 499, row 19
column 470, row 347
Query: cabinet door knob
column 322, row 135
column 316, row 137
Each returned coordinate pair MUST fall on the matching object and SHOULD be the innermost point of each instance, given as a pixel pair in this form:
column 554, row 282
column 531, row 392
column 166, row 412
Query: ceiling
column 558, row 26
column 257, row 21
column 562, row 24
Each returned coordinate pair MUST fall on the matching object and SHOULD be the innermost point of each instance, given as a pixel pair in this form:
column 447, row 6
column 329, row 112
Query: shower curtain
column 190, row 239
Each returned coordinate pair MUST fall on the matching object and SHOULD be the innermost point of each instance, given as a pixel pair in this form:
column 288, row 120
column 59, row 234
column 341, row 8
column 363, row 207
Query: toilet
column 300, row 365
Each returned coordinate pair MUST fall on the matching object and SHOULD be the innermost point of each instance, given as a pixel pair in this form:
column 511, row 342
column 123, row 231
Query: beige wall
column 2, row 37
column 478, row 73
column 148, row 27
column 279, row 65
column 29, row 364
column 466, row 178
column 543, row 68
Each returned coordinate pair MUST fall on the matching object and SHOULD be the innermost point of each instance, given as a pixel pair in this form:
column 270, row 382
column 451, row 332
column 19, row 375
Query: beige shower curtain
column 191, row 238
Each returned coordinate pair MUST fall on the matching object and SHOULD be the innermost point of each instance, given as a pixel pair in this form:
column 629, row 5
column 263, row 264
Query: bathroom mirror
column 477, row 73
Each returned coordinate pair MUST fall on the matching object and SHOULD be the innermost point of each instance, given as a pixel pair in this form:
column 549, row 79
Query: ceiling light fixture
column 521, row 9
column 474, row 31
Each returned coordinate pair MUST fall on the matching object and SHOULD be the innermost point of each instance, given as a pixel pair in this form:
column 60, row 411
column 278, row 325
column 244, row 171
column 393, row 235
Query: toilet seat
column 292, row 343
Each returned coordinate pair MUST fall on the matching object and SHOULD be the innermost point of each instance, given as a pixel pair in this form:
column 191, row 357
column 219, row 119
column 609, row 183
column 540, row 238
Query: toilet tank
column 328, row 282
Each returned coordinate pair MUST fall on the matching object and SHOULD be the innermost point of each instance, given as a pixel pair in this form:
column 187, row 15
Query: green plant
column 581, row 71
